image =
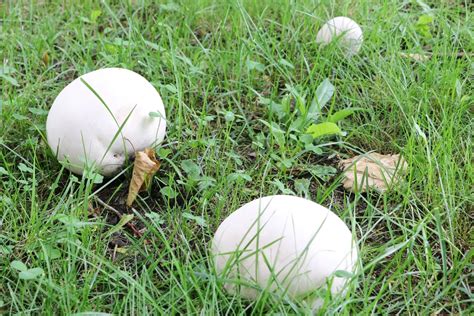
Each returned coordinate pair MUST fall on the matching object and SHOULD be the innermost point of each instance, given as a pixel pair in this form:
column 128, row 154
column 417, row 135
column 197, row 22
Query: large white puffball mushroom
column 283, row 243
column 80, row 128
column 348, row 30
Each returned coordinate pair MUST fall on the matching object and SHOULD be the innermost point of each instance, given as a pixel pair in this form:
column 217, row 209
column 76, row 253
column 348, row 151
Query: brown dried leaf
column 373, row 170
column 145, row 166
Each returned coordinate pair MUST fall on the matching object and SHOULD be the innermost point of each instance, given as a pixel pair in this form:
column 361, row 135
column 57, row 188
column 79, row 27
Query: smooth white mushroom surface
column 80, row 128
column 348, row 30
column 280, row 243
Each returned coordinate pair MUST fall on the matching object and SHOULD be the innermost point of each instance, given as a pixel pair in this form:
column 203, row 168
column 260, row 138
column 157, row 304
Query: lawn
column 226, row 70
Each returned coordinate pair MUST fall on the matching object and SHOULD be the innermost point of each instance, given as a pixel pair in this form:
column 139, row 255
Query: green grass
column 416, row 242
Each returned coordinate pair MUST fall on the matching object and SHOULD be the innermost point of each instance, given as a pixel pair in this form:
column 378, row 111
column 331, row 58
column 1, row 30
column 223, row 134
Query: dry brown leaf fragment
column 372, row 170
column 145, row 166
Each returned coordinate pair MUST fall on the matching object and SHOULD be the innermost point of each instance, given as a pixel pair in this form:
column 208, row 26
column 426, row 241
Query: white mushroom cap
column 80, row 128
column 350, row 32
column 283, row 243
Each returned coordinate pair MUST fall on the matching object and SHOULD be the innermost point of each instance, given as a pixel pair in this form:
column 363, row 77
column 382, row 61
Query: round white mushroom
column 85, row 131
column 284, row 243
column 346, row 30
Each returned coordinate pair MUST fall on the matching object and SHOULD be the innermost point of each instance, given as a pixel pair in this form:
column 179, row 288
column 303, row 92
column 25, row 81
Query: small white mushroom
column 283, row 243
column 81, row 129
column 348, row 30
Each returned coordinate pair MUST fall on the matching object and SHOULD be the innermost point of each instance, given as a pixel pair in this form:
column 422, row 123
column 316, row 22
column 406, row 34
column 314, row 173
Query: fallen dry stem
column 130, row 225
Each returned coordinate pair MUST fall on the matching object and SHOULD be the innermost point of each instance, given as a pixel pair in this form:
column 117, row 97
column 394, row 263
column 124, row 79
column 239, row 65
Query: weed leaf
column 30, row 274
column 324, row 93
column 18, row 265
column 342, row 114
column 323, row 129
